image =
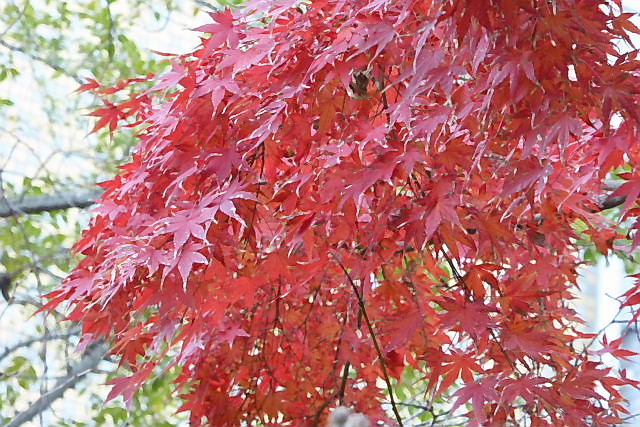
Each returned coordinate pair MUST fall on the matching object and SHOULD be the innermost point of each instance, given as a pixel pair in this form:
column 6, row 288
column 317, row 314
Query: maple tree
column 327, row 193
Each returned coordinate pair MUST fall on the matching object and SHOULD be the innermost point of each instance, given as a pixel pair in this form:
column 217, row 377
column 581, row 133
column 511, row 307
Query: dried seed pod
column 5, row 285
column 359, row 86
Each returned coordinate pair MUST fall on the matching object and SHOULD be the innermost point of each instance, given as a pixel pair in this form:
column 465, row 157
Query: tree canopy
column 326, row 194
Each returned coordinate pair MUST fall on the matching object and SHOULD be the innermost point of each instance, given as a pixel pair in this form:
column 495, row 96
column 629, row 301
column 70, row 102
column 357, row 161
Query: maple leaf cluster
column 351, row 186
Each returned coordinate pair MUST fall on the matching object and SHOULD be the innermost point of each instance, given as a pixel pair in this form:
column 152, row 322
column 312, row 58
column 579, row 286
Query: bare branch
column 47, row 337
column 89, row 362
column 46, row 203
column 42, row 60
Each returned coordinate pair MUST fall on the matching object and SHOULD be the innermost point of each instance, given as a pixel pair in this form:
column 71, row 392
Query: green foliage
column 154, row 406
column 47, row 49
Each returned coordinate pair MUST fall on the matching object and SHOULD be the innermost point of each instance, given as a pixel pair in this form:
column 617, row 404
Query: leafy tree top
column 325, row 193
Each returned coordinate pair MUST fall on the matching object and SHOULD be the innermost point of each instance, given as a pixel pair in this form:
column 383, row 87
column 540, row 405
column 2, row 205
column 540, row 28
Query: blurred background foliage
column 47, row 49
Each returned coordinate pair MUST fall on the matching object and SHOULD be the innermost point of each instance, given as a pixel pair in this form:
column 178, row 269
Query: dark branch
column 47, row 203
column 383, row 363
column 86, row 198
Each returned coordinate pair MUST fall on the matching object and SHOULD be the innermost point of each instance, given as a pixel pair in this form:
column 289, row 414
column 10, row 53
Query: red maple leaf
column 479, row 393
column 221, row 32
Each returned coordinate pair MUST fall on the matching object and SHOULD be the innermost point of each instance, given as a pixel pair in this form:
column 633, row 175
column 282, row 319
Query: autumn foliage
column 353, row 187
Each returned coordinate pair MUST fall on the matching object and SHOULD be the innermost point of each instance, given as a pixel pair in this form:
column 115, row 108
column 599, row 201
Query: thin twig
column 42, row 60
column 383, row 364
column 15, row 21
column 458, row 276
column 47, row 337
column 206, row 4
column 343, row 384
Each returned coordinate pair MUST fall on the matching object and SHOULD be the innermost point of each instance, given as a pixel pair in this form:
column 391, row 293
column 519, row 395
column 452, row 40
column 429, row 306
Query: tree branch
column 86, row 198
column 89, row 362
column 44, row 61
column 367, row 321
column 46, row 203
column 46, row 337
